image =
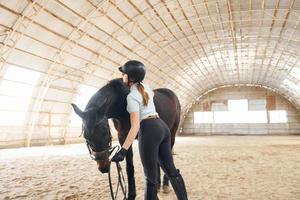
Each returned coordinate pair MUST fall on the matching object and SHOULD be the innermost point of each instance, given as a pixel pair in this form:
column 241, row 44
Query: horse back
column 168, row 107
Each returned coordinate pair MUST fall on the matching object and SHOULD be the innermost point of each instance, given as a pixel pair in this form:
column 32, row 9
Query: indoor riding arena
column 233, row 65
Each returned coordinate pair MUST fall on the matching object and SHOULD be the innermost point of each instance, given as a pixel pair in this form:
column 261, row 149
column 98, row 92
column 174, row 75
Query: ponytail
column 144, row 94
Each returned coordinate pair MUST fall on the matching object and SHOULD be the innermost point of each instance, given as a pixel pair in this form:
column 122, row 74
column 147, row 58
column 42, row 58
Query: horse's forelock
column 119, row 86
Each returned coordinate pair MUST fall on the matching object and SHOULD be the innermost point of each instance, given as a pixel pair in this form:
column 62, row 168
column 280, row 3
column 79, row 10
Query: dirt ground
column 219, row 167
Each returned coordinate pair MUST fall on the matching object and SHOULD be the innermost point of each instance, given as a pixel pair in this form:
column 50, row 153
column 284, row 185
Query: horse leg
column 158, row 177
column 173, row 130
column 166, row 187
column 130, row 175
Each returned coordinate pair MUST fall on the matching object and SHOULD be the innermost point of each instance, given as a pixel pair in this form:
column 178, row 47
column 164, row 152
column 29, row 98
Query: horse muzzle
column 105, row 170
column 103, row 166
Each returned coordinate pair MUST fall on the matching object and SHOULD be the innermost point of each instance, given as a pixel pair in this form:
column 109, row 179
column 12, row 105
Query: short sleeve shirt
column 135, row 102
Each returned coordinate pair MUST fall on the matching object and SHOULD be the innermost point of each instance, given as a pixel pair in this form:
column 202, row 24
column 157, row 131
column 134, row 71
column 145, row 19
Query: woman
column 154, row 137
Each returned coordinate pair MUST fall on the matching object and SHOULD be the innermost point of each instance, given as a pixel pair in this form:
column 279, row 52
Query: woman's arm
column 133, row 109
column 135, row 126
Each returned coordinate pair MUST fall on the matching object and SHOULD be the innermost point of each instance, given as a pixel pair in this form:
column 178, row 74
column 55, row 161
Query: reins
column 121, row 180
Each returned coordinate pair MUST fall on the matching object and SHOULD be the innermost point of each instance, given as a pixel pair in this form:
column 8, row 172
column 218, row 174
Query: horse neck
column 116, row 94
column 117, row 111
column 117, row 104
column 122, row 125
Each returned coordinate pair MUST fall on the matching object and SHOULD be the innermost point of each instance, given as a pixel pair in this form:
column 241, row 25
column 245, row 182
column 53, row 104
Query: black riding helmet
column 134, row 69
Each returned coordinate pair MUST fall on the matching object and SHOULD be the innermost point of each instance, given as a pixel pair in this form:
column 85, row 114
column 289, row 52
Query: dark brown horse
column 110, row 102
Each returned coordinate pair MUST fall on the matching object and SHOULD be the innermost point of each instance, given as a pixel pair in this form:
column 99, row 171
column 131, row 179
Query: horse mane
column 115, row 84
column 119, row 86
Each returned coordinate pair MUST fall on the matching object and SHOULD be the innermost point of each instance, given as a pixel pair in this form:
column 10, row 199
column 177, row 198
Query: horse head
column 96, row 132
column 108, row 102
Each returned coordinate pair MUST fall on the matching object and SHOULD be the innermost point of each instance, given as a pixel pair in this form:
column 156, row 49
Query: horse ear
column 77, row 110
column 81, row 113
column 101, row 108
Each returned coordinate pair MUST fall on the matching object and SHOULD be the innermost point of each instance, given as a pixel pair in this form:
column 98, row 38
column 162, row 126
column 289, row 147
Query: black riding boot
column 179, row 186
column 151, row 191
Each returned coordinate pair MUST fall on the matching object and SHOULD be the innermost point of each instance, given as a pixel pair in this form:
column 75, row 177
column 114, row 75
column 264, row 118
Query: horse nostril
column 105, row 170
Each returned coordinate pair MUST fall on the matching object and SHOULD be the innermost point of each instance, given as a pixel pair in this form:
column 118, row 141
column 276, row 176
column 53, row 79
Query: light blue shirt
column 135, row 102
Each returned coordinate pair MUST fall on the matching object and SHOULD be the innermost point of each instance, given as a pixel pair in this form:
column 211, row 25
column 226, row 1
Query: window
column 221, row 117
column 219, row 107
column 257, row 104
column 240, row 105
column 15, row 94
column 238, row 113
column 257, row 117
column 278, row 116
column 203, row 117
column 22, row 75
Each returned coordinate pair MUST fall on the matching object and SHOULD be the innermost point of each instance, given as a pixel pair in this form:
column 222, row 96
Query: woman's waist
column 150, row 116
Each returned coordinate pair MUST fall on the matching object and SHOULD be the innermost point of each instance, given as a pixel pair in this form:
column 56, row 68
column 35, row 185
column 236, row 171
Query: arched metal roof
column 190, row 46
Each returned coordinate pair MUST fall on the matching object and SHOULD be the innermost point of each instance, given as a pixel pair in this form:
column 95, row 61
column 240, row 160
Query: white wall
column 251, row 93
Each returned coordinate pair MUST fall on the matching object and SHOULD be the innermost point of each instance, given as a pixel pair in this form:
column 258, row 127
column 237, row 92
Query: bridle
column 100, row 156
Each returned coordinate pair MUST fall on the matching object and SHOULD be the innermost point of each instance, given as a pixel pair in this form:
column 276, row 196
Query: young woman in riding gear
column 154, row 137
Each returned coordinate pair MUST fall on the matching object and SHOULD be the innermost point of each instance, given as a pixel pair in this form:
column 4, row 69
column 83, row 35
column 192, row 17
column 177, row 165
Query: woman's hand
column 119, row 156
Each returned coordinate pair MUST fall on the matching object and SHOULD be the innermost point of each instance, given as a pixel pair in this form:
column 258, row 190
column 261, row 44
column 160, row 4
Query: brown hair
column 145, row 95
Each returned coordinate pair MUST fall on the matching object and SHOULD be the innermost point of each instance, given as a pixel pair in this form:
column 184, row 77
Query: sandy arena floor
column 232, row 167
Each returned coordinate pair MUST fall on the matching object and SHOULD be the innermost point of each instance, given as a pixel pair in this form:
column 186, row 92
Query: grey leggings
column 155, row 146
